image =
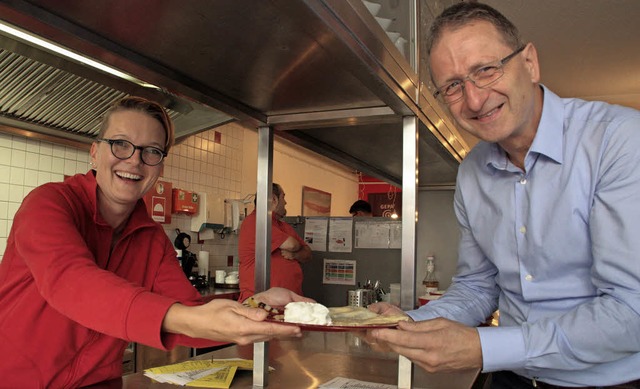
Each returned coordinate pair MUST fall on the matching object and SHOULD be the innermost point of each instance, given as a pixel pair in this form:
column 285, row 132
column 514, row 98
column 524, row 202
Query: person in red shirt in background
column 288, row 250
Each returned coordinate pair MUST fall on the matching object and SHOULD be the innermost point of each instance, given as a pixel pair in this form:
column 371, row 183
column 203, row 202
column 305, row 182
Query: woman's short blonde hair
column 145, row 106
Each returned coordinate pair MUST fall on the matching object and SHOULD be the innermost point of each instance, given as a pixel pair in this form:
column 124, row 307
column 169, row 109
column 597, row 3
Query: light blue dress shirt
column 555, row 247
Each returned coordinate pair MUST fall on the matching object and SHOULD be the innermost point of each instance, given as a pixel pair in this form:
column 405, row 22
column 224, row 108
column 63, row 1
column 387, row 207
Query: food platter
column 344, row 319
column 348, row 318
column 334, row 328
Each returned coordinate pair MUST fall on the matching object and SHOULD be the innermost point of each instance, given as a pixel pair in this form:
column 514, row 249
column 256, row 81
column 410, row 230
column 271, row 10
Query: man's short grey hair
column 461, row 14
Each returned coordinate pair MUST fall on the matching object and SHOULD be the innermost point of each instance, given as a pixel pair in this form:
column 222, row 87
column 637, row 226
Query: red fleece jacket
column 68, row 307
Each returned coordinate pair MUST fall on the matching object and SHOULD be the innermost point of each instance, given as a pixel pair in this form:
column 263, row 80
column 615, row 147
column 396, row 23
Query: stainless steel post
column 263, row 243
column 409, row 222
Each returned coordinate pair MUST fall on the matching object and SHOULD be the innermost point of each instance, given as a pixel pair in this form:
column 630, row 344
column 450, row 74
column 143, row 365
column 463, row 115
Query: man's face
column 502, row 111
column 279, row 204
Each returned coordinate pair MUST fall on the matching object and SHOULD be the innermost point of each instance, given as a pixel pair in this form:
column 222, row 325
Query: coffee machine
column 189, row 260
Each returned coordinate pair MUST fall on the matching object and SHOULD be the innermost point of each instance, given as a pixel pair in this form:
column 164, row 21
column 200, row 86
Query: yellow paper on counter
column 220, row 379
column 189, row 373
column 244, row 364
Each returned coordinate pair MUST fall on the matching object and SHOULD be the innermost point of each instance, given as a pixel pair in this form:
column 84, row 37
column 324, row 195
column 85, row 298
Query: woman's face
column 124, row 182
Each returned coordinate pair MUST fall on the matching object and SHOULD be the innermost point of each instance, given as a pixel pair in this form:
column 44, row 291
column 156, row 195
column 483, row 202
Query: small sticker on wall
column 339, row 271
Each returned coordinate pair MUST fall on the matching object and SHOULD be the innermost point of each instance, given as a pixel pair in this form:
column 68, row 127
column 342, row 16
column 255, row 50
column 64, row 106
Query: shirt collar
column 549, row 134
column 549, row 137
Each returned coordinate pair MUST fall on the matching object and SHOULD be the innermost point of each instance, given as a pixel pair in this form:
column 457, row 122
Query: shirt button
column 528, row 277
column 523, row 180
column 523, row 229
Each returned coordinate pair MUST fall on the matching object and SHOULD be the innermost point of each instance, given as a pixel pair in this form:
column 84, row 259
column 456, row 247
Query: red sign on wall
column 385, row 205
column 385, row 199
column 185, row 201
column 158, row 201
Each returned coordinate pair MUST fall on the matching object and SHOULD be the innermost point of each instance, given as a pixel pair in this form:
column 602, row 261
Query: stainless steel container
column 361, row 297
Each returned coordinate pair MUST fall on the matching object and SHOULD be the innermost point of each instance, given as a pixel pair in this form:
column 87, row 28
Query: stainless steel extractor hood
column 321, row 72
column 51, row 95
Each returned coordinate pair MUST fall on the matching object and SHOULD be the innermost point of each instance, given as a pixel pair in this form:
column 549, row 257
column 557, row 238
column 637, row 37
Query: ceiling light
column 40, row 42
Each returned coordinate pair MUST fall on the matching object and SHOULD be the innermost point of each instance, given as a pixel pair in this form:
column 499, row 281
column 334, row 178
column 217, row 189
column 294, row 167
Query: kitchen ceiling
column 47, row 94
column 253, row 61
column 261, row 62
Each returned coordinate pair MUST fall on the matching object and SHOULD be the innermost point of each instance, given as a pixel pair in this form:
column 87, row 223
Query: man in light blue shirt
column 549, row 209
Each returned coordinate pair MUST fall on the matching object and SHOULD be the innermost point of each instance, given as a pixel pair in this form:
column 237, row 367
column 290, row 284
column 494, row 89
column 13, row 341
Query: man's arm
column 292, row 249
column 291, row 244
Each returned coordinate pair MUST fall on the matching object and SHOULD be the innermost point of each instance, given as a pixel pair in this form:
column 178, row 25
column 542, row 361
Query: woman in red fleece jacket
column 86, row 270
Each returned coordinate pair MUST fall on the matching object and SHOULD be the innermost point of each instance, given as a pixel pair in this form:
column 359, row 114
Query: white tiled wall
column 198, row 164
column 26, row 163
column 202, row 165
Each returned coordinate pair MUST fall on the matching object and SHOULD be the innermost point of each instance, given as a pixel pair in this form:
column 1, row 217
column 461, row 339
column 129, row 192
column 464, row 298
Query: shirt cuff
column 421, row 314
column 502, row 348
column 144, row 323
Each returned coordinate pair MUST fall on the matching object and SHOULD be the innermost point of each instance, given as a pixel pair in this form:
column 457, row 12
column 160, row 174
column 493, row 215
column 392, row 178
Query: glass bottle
column 430, row 281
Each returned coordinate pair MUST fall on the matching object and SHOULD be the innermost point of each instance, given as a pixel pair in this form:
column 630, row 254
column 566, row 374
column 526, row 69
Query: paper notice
column 340, row 232
column 348, row 383
column 315, row 233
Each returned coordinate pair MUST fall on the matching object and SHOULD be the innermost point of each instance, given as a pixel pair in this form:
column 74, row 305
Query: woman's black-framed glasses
column 123, row 149
column 482, row 77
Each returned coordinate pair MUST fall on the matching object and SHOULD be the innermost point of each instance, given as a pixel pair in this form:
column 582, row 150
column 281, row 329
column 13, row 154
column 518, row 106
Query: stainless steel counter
column 317, row 358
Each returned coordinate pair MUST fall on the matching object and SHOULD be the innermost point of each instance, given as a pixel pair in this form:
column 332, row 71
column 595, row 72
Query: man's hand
column 380, row 308
column 385, row 309
column 302, row 255
column 286, row 254
column 437, row 345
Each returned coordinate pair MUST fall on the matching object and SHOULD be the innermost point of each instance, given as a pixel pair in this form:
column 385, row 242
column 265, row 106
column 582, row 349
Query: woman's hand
column 279, row 297
column 227, row 321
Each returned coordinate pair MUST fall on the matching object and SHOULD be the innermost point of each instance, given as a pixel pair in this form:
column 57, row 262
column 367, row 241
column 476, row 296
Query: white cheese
column 307, row 313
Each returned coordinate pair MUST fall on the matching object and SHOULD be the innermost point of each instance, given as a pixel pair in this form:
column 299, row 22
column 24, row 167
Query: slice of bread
column 358, row 316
